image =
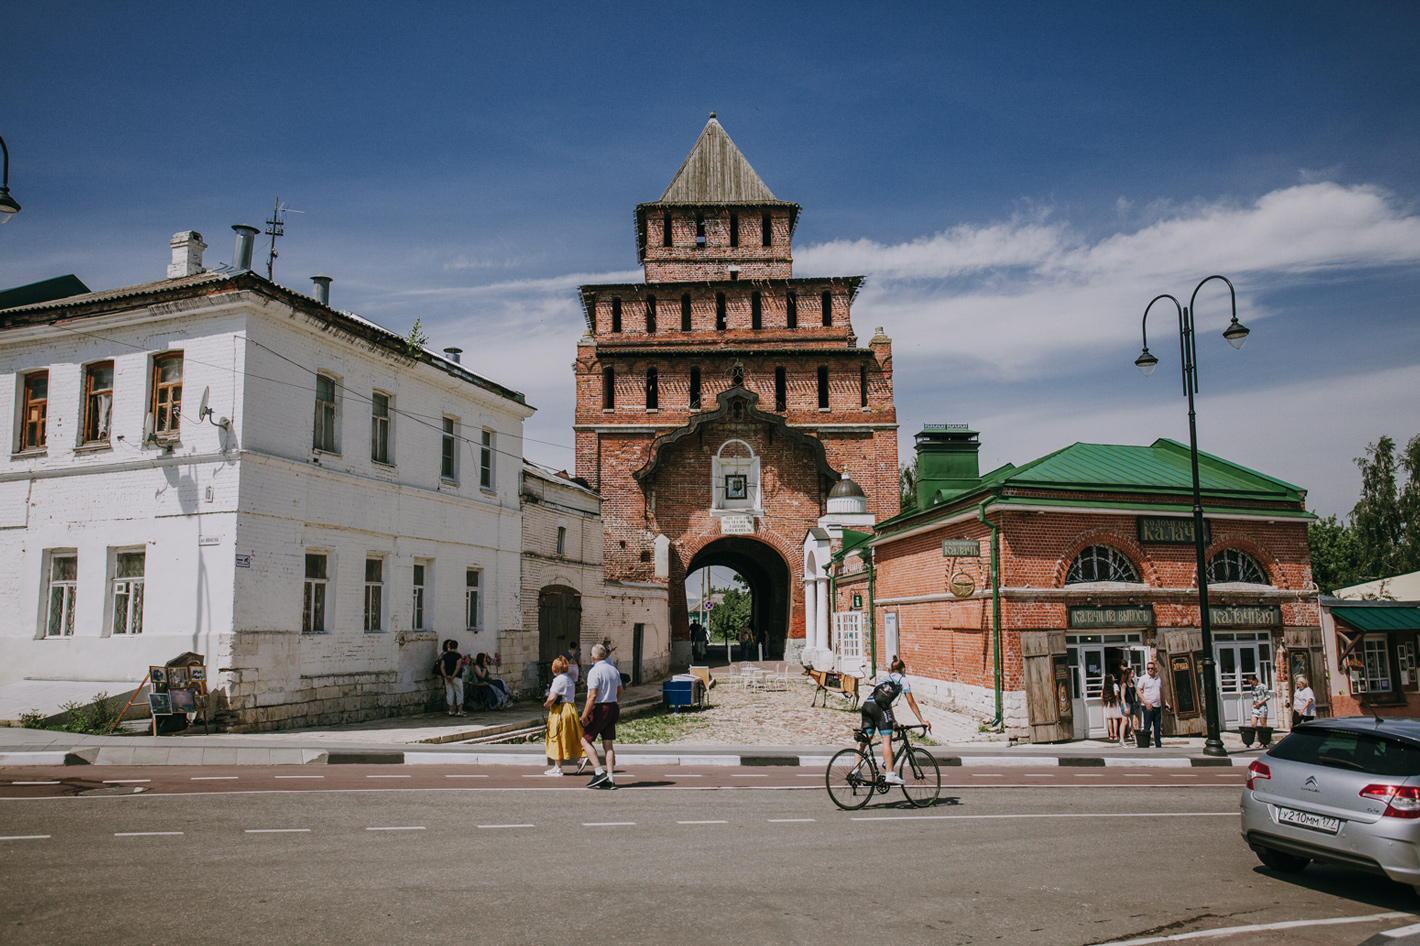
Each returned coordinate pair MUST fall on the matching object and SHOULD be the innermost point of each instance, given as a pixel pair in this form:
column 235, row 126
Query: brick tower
column 720, row 401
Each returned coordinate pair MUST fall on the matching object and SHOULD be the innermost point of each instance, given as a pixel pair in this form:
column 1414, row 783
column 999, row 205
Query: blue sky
column 1016, row 181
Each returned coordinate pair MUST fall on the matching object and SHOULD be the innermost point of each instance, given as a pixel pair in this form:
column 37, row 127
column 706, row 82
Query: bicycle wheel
column 921, row 779
column 850, row 779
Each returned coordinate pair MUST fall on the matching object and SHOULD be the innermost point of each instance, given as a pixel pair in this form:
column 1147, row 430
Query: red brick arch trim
column 1122, row 541
column 688, row 548
column 781, row 430
column 1245, row 543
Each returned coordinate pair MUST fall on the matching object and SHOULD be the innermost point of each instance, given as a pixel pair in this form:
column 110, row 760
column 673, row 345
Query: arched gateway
column 720, row 401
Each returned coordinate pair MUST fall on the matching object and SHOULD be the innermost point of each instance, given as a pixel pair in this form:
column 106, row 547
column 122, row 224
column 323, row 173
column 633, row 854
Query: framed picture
column 736, row 486
column 158, row 679
column 182, row 701
column 197, row 673
column 177, row 678
column 202, row 701
column 159, row 705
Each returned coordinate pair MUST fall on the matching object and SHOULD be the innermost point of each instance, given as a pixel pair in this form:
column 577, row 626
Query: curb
column 92, row 755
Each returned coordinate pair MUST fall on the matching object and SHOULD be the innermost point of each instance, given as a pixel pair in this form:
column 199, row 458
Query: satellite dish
column 148, row 428
column 202, row 409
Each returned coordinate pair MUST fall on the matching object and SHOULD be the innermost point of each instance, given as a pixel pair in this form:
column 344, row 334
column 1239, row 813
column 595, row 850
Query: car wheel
column 1286, row 863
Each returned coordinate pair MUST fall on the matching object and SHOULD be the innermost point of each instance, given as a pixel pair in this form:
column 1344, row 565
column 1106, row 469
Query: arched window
column 1101, row 563
column 1235, row 565
column 734, row 477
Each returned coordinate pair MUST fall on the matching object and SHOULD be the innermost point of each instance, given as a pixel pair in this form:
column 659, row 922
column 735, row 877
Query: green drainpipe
column 1000, row 720
column 872, row 643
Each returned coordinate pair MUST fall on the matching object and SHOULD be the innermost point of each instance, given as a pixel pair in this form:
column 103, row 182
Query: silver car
column 1339, row 791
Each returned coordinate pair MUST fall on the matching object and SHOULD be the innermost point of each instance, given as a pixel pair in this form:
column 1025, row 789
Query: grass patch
column 95, row 717
column 656, row 726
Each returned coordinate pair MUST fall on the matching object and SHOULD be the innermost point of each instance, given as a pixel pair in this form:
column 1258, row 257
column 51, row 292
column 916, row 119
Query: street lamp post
column 1236, row 334
column 8, row 206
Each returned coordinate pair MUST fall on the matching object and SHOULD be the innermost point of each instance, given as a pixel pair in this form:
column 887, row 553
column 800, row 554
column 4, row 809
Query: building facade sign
column 1245, row 615
column 1126, row 616
column 1170, row 531
column 961, row 548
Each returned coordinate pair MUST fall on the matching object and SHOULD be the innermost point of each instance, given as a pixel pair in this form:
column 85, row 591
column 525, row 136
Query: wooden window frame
column 448, row 449
column 93, row 407
column 473, row 599
column 167, row 417
column 34, row 417
column 127, row 595
column 380, row 427
column 374, row 595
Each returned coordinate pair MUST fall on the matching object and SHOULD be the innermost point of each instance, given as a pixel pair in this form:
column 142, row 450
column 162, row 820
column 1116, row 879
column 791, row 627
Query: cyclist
column 877, row 714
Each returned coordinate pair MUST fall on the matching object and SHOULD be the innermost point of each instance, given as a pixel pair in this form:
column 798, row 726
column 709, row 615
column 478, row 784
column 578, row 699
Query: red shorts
column 603, row 722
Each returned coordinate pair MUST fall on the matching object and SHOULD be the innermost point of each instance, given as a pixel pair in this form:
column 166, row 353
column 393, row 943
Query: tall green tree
column 907, row 486
column 731, row 612
column 1382, row 537
column 1335, row 554
column 1376, row 516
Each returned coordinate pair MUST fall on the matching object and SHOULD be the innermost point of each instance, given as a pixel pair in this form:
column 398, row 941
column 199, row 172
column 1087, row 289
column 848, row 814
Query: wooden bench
column 830, row 681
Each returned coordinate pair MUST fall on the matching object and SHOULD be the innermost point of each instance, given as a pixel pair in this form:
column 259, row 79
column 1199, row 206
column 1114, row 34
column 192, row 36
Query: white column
column 823, row 613
column 810, row 618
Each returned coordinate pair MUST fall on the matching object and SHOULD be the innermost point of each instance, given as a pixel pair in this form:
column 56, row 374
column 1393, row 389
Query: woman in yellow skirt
column 564, row 726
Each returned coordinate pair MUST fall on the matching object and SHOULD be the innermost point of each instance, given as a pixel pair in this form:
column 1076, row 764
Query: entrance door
column 559, row 625
column 1091, row 656
column 1239, row 656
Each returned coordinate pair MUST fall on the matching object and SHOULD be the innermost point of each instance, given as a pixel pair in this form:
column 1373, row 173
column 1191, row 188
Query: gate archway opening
column 767, row 578
column 559, row 626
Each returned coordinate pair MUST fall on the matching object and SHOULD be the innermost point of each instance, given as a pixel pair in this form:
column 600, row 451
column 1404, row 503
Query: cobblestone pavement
column 761, row 716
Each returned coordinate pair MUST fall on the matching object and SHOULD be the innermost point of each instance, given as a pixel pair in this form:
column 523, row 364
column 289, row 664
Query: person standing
column 1113, row 716
column 1260, row 697
column 1151, row 695
column 451, row 664
column 1303, row 702
column 1129, row 702
column 746, row 638
column 599, row 717
column 574, row 661
column 698, row 640
column 564, row 729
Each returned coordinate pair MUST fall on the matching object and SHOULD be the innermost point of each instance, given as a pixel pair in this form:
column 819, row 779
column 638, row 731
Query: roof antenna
column 275, row 227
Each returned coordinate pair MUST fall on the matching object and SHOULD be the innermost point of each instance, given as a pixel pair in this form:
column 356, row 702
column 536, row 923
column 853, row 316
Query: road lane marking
column 507, row 826
column 25, row 837
column 300, row 776
column 278, row 830
column 34, row 783
column 1402, row 931
column 608, row 824
column 790, row 820
column 213, row 778
column 702, row 822
column 1139, row 775
column 1260, row 927
column 749, row 776
column 1178, row 775
column 667, row 775
column 815, row 775
column 1108, row 814
column 465, row 776
column 412, row 827
column 147, row 834
column 1040, row 775
column 988, row 775
column 383, row 776
column 1087, row 775
column 126, row 781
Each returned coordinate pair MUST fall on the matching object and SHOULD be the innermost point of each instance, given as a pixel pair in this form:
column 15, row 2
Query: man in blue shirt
column 600, row 715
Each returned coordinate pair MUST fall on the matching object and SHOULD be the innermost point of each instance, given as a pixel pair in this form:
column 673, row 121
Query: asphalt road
column 412, row 854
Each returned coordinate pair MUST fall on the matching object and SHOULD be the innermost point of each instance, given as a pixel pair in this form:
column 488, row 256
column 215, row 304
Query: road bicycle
column 853, row 776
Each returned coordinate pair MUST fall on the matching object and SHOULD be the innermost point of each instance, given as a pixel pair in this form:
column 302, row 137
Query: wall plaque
column 961, row 548
column 737, row 525
column 1170, row 531
column 1124, row 616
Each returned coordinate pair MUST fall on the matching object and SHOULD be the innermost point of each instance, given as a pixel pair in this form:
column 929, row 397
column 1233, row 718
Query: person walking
column 1260, row 698
column 698, row 640
column 1151, row 695
column 1303, row 702
column 450, row 667
column 599, row 717
column 1129, row 703
column 1113, row 717
column 746, row 638
column 564, row 729
column 574, row 661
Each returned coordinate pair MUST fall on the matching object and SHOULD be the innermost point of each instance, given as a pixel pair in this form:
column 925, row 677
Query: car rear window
column 1371, row 753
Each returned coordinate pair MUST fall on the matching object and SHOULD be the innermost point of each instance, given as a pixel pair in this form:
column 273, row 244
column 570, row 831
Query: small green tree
column 907, row 486
column 1335, row 554
column 733, row 609
column 415, row 341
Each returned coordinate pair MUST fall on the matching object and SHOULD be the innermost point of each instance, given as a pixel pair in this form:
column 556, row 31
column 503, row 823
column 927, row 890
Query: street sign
column 709, row 606
column 961, row 548
column 857, row 601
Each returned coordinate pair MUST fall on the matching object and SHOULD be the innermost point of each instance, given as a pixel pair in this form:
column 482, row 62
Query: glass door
column 1239, row 656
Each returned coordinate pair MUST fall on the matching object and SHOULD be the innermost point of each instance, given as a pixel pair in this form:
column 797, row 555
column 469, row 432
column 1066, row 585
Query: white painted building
column 342, row 508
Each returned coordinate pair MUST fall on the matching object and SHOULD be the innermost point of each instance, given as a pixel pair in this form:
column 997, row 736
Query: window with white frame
column 448, row 458
column 1101, row 563
column 317, row 585
column 374, row 593
column 561, row 536
column 63, row 589
column 472, row 601
column 421, row 587
column 1374, row 673
column 734, row 472
column 128, row 591
column 325, row 423
column 380, row 427
column 485, row 460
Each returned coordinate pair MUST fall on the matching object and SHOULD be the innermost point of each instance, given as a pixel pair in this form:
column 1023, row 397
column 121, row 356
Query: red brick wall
column 683, row 260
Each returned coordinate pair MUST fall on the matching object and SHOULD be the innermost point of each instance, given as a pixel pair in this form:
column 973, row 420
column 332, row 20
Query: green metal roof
column 1379, row 619
column 46, row 290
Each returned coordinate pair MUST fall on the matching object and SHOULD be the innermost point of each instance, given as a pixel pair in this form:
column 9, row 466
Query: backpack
column 884, row 693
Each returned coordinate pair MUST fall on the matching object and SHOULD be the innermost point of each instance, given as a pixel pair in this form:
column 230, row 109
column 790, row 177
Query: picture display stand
column 174, row 690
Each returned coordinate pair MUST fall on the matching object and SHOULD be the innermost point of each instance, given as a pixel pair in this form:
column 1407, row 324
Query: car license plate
column 1305, row 819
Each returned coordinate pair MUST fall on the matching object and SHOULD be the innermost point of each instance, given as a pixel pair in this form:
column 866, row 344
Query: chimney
column 322, row 292
column 453, row 354
column 187, row 254
column 246, row 241
column 947, row 462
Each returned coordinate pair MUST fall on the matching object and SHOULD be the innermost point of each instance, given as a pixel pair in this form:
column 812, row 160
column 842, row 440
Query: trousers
column 1153, row 718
